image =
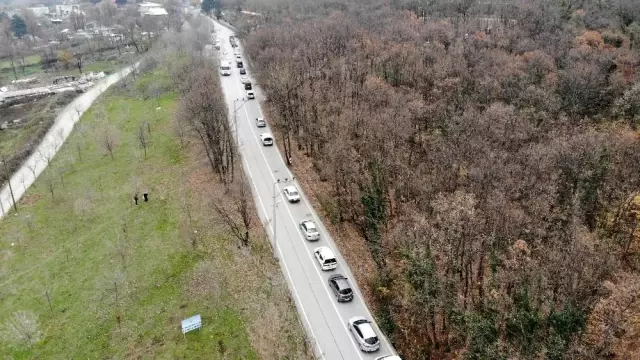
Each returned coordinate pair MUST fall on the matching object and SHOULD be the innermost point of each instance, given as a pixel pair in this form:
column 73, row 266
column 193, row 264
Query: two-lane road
column 323, row 317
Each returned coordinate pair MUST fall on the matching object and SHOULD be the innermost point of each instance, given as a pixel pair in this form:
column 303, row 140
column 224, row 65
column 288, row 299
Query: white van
column 225, row 68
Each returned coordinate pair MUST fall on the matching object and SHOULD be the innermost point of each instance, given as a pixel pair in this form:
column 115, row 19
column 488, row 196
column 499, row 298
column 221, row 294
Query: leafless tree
column 47, row 290
column 32, row 167
column 180, row 130
column 23, row 180
column 143, row 138
column 236, row 212
column 50, row 182
column 7, row 178
column 7, row 45
column 47, row 153
column 204, row 111
column 22, row 327
column 108, row 139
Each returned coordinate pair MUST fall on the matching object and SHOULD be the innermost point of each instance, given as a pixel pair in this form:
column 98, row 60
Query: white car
column 266, row 139
column 365, row 335
column 260, row 122
column 389, row 357
column 309, row 230
column 325, row 257
column 251, row 94
column 244, row 79
column 292, row 194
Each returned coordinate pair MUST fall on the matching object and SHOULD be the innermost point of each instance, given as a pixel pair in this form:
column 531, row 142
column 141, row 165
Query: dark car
column 341, row 288
column 243, row 71
column 247, row 85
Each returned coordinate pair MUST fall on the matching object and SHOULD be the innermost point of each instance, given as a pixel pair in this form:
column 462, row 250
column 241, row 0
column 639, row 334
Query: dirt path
column 26, row 175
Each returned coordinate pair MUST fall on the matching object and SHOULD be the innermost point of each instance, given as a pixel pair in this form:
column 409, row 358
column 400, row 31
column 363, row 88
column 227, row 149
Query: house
column 66, row 9
column 39, row 10
column 155, row 12
column 151, row 8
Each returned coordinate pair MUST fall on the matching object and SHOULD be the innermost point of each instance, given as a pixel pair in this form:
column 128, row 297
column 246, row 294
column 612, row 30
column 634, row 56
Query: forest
column 488, row 155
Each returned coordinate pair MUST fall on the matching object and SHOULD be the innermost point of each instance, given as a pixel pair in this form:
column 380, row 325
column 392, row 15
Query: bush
column 613, row 39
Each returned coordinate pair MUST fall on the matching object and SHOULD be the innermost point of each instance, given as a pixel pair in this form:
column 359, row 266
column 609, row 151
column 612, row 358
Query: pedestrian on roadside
column 145, row 195
column 135, row 198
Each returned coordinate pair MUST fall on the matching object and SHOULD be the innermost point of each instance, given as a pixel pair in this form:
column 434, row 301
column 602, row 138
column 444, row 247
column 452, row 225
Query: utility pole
column 235, row 115
column 275, row 205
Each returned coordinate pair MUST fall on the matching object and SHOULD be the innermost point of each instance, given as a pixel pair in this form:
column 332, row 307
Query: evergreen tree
column 209, row 5
column 18, row 26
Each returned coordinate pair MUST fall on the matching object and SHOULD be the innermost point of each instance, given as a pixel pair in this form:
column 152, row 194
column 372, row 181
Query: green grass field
column 120, row 277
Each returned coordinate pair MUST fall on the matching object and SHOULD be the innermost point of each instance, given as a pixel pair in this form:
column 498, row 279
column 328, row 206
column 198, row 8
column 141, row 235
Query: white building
column 39, row 10
column 154, row 11
column 66, row 10
column 151, row 8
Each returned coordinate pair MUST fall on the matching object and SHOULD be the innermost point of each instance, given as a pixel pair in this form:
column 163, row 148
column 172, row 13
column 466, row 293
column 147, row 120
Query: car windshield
column 293, row 192
column 345, row 291
column 330, row 261
column 371, row 340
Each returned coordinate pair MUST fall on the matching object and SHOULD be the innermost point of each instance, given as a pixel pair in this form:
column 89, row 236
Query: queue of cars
column 361, row 328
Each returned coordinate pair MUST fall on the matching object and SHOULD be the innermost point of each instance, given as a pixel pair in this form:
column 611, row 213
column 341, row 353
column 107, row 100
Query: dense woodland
column 487, row 152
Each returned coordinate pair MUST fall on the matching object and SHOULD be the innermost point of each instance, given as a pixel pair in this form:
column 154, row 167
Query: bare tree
column 23, row 180
column 7, row 178
column 22, row 327
column 47, row 290
column 50, row 182
column 108, row 139
column 32, row 167
column 47, row 153
column 237, row 215
column 143, row 138
column 180, row 130
column 204, row 110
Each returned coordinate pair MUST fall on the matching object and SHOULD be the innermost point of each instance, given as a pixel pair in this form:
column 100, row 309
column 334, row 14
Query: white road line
column 316, row 218
column 331, row 299
column 264, row 210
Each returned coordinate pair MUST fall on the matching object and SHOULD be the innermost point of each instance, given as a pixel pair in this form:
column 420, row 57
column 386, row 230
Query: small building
column 151, row 8
column 66, row 9
column 39, row 10
column 155, row 12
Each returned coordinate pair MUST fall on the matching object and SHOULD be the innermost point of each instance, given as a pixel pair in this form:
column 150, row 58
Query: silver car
column 309, row 230
column 365, row 335
column 260, row 122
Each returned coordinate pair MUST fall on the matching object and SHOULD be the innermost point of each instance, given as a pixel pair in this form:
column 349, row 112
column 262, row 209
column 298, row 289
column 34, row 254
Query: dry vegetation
column 486, row 156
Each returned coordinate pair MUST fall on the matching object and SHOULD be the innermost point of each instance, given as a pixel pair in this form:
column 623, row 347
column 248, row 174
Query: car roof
column 291, row 188
column 265, row 135
column 260, row 118
column 326, row 252
column 342, row 283
column 309, row 223
column 367, row 330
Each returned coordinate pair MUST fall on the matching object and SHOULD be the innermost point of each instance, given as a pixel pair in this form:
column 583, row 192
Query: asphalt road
column 323, row 317
column 26, row 175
